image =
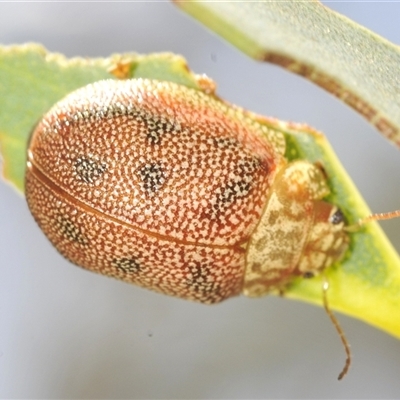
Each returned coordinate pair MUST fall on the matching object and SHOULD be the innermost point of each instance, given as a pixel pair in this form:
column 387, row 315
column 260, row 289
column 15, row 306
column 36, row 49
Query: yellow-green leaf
column 366, row 283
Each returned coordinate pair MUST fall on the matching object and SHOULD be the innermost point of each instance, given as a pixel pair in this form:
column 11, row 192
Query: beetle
column 173, row 189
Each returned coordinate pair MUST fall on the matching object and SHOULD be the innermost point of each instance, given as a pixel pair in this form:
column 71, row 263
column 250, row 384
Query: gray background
column 65, row 332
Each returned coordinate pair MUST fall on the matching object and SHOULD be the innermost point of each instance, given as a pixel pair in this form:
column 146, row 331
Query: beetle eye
column 337, row 217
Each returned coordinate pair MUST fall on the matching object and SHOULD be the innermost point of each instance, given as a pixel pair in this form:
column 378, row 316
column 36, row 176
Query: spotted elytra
column 174, row 190
column 169, row 188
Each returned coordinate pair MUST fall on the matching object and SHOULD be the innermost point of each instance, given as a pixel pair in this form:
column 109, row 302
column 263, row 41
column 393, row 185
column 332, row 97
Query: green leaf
column 356, row 65
column 366, row 284
column 32, row 80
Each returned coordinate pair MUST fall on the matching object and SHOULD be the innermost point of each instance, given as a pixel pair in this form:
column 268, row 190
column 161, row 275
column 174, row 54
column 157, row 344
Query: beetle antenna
column 335, row 322
column 372, row 217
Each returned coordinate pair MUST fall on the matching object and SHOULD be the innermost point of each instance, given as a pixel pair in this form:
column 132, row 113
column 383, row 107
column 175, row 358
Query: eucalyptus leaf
column 305, row 37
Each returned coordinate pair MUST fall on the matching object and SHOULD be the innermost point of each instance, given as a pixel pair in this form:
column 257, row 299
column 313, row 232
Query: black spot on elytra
column 127, row 265
column 235, row 189
column 238, row 187
column 156, row 128
column 225, row 142
column 249, row 165
column 70, row 231
column 152, row 176
column 89, row 169
column 199, row 279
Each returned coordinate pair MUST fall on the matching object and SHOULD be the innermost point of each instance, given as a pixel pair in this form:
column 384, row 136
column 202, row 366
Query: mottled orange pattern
column 153, row 183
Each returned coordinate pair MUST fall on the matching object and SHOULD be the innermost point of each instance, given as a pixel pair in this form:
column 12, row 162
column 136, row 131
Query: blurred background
column 68, row 333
